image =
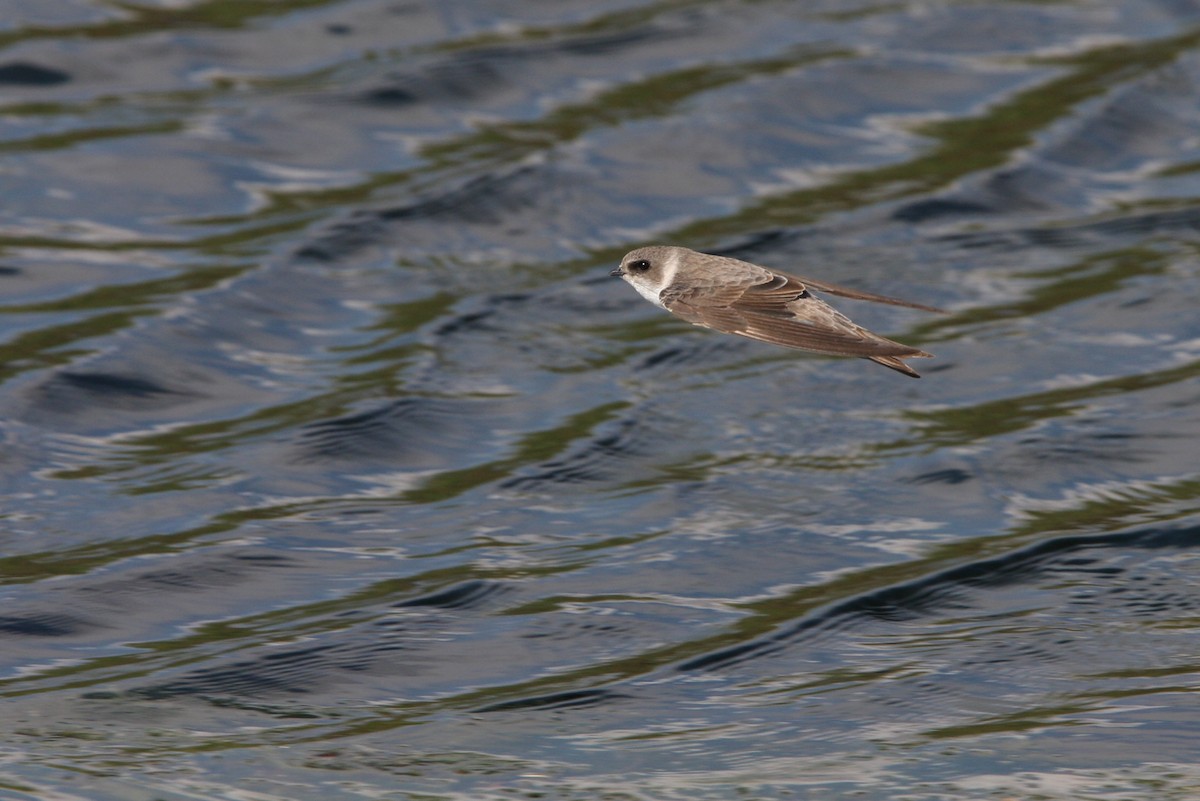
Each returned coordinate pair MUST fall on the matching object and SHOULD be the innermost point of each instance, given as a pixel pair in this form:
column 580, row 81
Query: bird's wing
column 858, row 294
column 780, row 311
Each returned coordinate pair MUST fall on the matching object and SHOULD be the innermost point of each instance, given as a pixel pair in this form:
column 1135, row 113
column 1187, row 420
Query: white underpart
column 651, row 293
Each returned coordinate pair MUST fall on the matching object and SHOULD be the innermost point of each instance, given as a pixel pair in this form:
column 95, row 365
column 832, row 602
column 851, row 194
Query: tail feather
column 897, row 363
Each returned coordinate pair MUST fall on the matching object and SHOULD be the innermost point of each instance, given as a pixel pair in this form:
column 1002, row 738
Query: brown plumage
column 738, row 297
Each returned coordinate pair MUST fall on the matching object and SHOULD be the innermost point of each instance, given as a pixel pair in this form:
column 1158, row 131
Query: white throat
column 651, row 293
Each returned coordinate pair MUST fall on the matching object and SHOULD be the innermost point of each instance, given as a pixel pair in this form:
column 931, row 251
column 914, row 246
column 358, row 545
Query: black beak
column 616, row 273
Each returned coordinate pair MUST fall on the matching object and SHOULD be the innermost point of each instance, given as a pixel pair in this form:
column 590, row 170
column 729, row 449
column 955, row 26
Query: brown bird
column 737, row 297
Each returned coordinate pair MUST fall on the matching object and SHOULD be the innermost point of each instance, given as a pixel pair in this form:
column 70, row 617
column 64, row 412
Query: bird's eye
column 639, row 266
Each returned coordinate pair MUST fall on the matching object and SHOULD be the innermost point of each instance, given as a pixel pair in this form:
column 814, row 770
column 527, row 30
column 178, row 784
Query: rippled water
column 336, row 466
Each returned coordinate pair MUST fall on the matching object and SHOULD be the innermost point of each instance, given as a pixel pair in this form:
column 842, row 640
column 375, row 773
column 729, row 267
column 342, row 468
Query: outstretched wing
column 858, row 294
column 781, row 311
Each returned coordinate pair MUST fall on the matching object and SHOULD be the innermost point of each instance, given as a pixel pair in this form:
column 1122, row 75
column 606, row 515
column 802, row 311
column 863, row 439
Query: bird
column 737, row 297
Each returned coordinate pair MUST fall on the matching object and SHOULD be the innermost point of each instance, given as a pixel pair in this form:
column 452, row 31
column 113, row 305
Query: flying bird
column 737, row 297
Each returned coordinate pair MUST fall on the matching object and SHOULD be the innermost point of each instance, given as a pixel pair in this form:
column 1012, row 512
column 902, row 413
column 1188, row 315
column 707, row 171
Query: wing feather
column 781, row 311
column 858, row 294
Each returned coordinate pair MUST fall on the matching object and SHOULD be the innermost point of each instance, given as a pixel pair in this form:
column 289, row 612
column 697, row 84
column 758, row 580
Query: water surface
column 337, row 467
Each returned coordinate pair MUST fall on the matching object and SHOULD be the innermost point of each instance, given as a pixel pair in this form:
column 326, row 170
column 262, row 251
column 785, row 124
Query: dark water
column 335, row 466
